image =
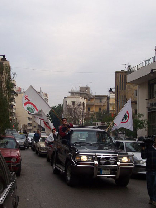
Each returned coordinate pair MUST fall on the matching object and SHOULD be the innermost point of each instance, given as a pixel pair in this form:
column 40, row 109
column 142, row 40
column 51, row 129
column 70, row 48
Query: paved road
column 38, row 187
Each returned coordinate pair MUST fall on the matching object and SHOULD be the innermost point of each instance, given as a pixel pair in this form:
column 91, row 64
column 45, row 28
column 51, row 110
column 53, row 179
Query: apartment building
column 124, row 91
column 144, row 76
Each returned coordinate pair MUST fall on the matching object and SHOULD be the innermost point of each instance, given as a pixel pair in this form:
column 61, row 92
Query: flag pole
column 109, row 125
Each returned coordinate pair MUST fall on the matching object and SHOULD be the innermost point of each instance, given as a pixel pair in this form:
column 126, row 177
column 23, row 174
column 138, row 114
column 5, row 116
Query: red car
column 9, row 149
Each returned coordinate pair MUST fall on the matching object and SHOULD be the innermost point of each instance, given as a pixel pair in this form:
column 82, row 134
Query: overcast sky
column 61, row 45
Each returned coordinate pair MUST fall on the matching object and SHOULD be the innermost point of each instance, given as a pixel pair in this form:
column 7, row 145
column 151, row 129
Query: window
column 152, row 89
column 99, row 109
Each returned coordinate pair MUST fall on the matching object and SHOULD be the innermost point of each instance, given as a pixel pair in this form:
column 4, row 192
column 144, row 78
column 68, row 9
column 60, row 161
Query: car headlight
column 13, row 159
column 125, row 159
column 83, row 158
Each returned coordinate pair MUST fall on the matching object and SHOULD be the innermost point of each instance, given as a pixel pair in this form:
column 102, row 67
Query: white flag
column 37, row 106
column 33, row 102
column 124, row 118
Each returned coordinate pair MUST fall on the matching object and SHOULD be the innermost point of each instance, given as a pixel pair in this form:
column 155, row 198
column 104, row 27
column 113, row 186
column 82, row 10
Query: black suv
column 8, row 187
column 90, row 152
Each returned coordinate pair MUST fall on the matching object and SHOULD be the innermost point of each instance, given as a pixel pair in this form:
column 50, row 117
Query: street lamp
column 3, row 59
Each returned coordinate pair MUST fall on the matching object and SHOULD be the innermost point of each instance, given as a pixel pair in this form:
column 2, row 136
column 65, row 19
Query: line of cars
column 82, row 153
column 10, row 145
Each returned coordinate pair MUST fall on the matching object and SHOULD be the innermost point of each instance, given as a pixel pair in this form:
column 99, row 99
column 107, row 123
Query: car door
column 8, row 197
column 62, row 150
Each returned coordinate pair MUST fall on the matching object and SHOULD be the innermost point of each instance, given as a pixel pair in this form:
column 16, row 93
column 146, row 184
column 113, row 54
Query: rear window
column 8, row 143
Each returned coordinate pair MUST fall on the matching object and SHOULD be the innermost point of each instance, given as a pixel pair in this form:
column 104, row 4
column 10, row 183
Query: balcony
column 143, row 74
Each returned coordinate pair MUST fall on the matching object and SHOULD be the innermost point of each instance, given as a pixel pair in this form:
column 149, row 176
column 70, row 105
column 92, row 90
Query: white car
column 30, row 138
column 133, row 147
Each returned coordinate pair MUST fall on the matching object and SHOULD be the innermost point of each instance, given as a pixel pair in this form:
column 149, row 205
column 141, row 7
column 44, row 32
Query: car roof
column 88, row 129
column 125, row 141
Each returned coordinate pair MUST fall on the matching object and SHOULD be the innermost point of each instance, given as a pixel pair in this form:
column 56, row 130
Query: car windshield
column 132, row 147
column 87, row 136
column 8, row 143
column 19, row 136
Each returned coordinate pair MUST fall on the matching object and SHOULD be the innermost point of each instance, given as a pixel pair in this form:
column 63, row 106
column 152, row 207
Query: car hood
column 138, row 155
column 9, row 152
column 41, row 144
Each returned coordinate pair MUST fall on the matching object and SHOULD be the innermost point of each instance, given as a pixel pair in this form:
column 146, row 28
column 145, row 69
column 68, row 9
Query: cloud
column 49, row 43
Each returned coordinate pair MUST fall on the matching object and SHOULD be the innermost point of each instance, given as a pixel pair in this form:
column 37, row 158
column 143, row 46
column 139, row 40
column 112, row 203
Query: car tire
column 18, row 173
column 36, row 151
column 122, row 181
column 53, row 163
column 70, row 178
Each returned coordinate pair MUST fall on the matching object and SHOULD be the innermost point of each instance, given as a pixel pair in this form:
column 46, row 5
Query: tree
column 6, row 89
column 55, row 115
column 75, row 113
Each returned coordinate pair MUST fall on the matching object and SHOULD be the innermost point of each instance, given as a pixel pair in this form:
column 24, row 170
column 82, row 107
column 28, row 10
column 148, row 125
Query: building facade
column 124, row 91
column 145, row 79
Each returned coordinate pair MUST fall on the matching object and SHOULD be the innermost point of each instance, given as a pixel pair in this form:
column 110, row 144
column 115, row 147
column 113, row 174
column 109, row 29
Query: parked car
column 10, row 131
column 40, row 147
column 8, row 186
column 9, row 148
column 133, row 147
column 30, row 138
column 22, row 140
column 91, row 153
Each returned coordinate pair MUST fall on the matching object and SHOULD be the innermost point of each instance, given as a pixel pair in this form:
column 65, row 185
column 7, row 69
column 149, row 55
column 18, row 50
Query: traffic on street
column 39, row 187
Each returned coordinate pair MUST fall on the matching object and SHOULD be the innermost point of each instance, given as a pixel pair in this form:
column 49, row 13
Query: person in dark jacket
column 148, row 152
column 37, row 136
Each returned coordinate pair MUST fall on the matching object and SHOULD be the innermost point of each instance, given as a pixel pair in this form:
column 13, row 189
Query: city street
column 38, row 187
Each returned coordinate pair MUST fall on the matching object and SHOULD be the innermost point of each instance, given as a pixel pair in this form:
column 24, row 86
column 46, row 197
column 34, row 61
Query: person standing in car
column 148, row 152
column 51, row 136
column 64, row 129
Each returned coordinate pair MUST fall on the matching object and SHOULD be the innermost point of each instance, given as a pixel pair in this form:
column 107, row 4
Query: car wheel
column 70, row 178
column 122, row 181
column 39, row 154
column 53, row 163
column 36, row 151
column 18, row 173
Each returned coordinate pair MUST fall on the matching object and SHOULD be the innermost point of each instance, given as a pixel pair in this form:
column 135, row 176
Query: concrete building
column 5, row 76
column 97, row 103
column 124, row 91
column 94, row 103
column 145, row 77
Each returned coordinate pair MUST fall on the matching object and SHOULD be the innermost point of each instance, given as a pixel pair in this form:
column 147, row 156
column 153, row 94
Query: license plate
column 105, row 172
